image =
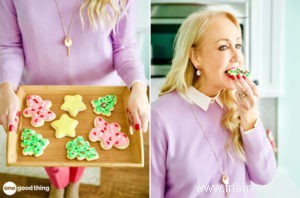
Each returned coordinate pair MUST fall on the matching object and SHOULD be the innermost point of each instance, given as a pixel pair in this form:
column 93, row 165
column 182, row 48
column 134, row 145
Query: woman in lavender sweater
column 207, row 139
column 34, row 37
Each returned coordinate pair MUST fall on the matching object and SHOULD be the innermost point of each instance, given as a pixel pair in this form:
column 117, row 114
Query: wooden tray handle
column 12, row 139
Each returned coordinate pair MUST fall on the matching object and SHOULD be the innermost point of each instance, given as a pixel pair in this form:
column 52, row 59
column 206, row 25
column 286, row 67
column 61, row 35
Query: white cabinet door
column 266, row 45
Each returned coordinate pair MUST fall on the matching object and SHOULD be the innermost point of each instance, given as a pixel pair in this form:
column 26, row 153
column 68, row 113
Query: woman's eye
column 223, row 47
column 238, row 46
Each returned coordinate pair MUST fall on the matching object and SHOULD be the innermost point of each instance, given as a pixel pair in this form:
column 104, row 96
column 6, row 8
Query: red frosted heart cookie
column 39, row 110
column 109, row 134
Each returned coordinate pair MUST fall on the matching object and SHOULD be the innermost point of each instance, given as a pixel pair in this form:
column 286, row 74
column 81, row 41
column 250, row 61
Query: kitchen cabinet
column 266, row 45
column 198, row 1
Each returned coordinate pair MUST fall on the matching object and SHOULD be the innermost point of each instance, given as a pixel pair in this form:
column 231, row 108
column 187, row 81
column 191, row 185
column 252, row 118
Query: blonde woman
column 87, row 42
column 207, row 139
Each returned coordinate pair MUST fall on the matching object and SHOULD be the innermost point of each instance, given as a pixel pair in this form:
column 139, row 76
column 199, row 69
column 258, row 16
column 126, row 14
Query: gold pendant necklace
column 67, row 40
column 224, row 178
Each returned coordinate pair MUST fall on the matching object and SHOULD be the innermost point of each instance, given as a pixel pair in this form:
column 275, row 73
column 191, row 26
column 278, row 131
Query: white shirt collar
column 203, row 101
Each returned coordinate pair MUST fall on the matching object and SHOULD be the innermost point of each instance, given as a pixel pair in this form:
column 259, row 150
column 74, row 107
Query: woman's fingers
column 13, row 119
column 136, row 120
column 242, row 101
column 139, row 106
column 253, row 86
column 247, row 91
column 140, row 119
column 145, row 121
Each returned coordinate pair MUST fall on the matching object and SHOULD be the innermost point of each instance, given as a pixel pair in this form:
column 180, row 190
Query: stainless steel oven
column 166, row 19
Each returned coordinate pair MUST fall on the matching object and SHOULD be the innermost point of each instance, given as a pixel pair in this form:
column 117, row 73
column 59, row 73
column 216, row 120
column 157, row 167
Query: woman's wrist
column 247, row 125
column 6, row 86
column 139, row 87
column 248, row 121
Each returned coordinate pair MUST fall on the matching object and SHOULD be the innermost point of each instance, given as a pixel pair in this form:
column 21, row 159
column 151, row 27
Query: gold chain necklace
column 224, row 178
column 67, row 40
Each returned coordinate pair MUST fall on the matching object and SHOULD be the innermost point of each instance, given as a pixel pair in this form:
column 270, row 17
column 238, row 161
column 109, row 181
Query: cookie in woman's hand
column 233, row 73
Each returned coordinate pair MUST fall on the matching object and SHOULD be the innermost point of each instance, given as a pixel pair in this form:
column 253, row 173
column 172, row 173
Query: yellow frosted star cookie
column 73, row 104
column 65, row 126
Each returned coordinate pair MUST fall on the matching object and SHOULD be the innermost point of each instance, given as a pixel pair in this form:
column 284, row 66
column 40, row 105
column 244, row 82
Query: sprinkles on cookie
column 232, row 73
column 39, row 110
column 80, row 149
column 33, row 143
column 109, row 135
column 104, row 105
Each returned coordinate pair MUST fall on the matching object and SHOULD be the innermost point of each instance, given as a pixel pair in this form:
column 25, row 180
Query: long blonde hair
column 183, row 73
column 98, row 12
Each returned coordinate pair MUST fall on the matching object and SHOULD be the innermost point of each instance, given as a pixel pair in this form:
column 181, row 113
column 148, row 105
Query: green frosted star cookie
column 104, row 105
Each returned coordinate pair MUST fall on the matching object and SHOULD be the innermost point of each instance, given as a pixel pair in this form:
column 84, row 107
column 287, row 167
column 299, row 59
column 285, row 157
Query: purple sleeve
column 125, row 56
column 260, row 159
column 11, row 48
column 158, row 157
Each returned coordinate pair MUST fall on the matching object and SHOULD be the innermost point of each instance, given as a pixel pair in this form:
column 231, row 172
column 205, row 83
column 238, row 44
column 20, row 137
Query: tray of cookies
column 74, row 126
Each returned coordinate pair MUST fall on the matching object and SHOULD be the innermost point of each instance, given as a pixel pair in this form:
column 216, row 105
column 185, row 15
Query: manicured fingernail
column 238, row 76
column 10, row 128
column 244, row 77
column 137, row 127
column 232, row 77
column 131, row 131
column 18, row 113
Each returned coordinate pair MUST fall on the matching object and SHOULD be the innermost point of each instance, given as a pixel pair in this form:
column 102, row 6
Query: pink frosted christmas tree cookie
column 109, row 134
column 39, row 110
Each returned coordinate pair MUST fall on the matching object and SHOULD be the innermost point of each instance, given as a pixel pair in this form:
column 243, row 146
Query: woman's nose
column 235, row 54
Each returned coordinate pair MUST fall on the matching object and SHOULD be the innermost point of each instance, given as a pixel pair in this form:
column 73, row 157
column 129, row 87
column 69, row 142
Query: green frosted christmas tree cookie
column 33, row 143
column 80, row 149
column 104, row 105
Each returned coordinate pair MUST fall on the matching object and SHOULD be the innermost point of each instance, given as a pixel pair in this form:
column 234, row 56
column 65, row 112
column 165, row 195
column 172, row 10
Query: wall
column 143, row 32
column 288, row 105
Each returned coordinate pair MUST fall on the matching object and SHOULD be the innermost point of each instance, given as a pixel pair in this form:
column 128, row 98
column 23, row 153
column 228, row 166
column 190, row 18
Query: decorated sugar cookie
column 33, row 143
column 104, row 105
column 80, row 149
column 232, row 73
column 65, row 126
column 109, row 135
column 73, row 104
column 39, row 110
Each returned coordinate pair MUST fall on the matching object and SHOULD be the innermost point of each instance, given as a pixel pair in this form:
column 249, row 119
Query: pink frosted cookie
column 38, row 110
column 108, row 134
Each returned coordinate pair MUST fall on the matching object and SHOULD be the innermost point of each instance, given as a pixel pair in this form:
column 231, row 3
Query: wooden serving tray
column 56, row 154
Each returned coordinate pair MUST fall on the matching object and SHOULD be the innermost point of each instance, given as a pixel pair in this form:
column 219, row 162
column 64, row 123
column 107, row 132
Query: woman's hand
column 247, row 96
column 138, row 106
column 9, row 106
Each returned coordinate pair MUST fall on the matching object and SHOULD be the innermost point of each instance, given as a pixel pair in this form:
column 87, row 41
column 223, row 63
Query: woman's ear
column 194, row 57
